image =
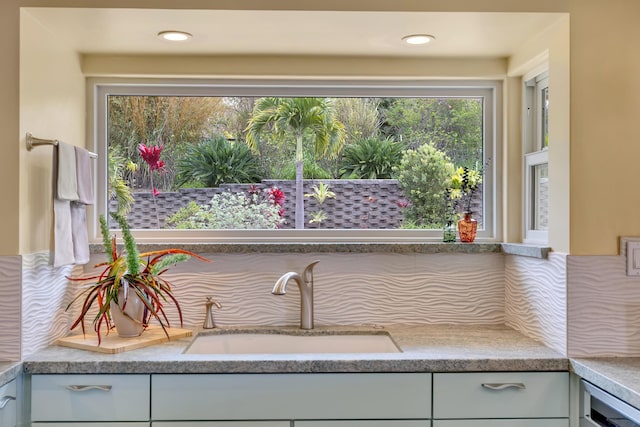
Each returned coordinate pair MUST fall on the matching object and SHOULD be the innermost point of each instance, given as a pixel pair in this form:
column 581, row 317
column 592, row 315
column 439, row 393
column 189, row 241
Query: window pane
column 233, row 162
column 540, row 193
column 544, row 131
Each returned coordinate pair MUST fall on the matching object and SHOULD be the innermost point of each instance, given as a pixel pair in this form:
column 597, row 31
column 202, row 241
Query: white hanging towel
column 65, row 189
column 78, row 208
column 66, row 177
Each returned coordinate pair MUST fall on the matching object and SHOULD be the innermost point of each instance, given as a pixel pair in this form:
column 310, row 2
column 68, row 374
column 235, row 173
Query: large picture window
column 265, row 160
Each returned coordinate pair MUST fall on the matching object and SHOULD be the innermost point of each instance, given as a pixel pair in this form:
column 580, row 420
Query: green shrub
column 310, row 169
column 424, row 175
column 371, row 158
column 218, row 161
column 229, row 211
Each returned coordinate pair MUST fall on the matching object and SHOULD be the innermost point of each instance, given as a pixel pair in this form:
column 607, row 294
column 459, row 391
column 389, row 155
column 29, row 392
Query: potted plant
column 464, row 184
column 129, row 281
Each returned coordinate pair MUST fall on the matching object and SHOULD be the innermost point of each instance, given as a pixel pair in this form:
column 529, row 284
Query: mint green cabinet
column 501, row 399
column 8, row 404
column 291, row 396
column 368, row 423
column 222, row 424
column 503, row 423
column 90, row 399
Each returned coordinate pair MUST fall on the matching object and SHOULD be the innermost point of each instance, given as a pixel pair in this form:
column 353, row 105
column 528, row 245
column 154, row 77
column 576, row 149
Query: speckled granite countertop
column 425, row 349
column 8, row 371
column 619, row 376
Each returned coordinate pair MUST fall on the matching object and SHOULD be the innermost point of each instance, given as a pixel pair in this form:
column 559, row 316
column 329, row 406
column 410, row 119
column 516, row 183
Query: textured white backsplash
column 603, row 308
column 349, row 288
column 45, row 295
column 536, row 298
column 380, row 288
column 10, row 282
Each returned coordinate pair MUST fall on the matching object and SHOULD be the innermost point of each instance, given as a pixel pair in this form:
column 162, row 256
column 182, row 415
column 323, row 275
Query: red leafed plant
column 151, row 155
column 130, row 271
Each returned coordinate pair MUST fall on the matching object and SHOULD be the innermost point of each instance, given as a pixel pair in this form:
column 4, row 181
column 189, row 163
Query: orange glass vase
column 467, row 228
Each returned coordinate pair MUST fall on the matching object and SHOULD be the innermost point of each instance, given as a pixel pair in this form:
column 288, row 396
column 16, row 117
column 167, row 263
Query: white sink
column 269, row 343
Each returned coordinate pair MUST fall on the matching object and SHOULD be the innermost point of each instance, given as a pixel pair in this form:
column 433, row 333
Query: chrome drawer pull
column 89, row 387
column 5, row 401
column 503, row 386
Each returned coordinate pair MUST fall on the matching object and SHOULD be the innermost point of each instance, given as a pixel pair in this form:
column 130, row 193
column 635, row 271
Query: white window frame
column 491, row 91
column 535, row 152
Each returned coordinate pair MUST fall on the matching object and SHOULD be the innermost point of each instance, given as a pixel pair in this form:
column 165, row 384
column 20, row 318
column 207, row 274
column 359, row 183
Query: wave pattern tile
column 10, row 283
column 45, row 295
column 604, row 307
column 350, row 289
column 535, row 298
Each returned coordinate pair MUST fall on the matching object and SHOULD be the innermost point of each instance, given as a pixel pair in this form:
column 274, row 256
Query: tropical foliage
column 233, row 211
column 299, row 121
column 424, row 175
column 371, row 158
column 452, row 125
column 293, row 138
column 217, row 161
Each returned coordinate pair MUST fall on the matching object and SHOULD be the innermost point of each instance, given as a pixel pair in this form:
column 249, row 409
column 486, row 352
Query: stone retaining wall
column 359, row 204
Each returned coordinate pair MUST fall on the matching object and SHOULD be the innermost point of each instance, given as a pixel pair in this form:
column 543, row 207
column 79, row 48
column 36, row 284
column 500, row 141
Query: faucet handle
column 211, row 301
column 208, row 317
column 308, row 272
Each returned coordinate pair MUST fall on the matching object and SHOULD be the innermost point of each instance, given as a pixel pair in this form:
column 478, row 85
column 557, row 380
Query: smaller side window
column 536, row 159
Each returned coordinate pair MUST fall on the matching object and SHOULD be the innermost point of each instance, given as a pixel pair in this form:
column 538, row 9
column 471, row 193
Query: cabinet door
column 369, row 423
column 501, row 395
column 221, row 424
column 502, row 423
column 90, row 398
column 8, row 406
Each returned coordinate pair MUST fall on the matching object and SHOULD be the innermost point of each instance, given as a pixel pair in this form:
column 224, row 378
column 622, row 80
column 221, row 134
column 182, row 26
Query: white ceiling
column 134, row 31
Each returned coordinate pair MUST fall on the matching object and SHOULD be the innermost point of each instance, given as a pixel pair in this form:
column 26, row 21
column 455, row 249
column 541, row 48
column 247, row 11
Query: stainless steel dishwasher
column 599, row 408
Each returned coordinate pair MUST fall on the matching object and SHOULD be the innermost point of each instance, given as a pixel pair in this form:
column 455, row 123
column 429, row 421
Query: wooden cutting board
column 113, row 344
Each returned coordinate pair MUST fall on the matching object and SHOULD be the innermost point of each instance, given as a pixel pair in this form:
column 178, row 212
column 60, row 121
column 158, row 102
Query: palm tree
column 301, row 120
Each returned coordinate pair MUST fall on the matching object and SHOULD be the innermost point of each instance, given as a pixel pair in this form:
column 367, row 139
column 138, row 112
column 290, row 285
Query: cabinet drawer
column 8, row 406
column 90, row 398
column 221, row 424
column 502, row 423
column 290, row 396
column 92, row 425
column 386, row 423
column 514, row 395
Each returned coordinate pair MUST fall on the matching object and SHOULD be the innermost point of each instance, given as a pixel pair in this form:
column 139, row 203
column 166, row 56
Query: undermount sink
column 279, row 343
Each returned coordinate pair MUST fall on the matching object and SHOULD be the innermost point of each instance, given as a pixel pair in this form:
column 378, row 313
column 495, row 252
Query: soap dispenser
column 208, row 317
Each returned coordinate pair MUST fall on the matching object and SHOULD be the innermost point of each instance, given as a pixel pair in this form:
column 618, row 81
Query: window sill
column 246, row 248
column 532, row 251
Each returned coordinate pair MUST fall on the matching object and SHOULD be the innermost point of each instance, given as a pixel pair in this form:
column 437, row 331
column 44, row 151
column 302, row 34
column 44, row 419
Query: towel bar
column 32, row 141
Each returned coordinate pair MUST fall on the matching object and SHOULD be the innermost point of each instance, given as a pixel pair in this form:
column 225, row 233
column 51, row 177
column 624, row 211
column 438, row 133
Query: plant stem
column 153, row 194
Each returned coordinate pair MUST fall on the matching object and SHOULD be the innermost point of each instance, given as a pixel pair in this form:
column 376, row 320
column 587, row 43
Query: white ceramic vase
column 128, row 322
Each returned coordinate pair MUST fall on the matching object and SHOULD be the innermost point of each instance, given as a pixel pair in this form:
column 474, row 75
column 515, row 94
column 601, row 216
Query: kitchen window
column 536, row 159
column 174, row 190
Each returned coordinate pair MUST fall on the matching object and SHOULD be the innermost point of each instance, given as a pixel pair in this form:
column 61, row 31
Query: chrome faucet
column 208, row 317
column 305, row 284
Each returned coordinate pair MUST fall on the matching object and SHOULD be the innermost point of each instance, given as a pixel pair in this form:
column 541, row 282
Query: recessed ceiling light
column 418, row 38
column 174, row 36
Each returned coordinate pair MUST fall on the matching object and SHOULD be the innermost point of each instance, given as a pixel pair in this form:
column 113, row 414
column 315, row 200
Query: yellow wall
column 605, row 118
column 602, row 202
column 52, row 106
column 9, row 133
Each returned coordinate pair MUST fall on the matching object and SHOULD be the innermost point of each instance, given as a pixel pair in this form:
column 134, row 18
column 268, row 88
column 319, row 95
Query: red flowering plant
column 126, row 272
column 151, row 156
column 272, row 195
